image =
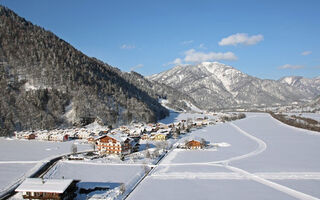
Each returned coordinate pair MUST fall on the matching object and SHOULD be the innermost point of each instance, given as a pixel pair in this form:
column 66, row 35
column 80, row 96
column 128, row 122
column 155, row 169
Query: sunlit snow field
column 277, row 153
column 18, row 157
column 258, row 144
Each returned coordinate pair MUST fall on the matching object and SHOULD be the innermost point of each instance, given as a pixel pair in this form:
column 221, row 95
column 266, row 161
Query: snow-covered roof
column 119, row 137
column 44, row 185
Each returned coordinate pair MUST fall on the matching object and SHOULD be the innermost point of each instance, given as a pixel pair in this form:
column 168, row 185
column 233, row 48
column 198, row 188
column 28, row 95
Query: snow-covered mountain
column 310, row 85
column 313, row 106
column 215, row 85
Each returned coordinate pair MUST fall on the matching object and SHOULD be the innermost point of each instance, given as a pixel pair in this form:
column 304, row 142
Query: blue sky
column 266, row 39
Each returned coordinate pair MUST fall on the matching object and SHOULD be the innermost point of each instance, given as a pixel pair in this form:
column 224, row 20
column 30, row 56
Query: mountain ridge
column 225, row 86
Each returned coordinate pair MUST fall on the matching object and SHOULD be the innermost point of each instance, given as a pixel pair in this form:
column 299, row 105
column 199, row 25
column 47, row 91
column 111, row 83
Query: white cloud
column 187, row 42
column 202, row 46
column 305, row 53
column 134, row 68
column 127, row 46
column 176, row 62
column 288, row 66
column 194, row 56
column 241, row 38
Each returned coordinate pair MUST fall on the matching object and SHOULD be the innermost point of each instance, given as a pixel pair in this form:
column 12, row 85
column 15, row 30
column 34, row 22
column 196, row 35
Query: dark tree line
column 296, row 121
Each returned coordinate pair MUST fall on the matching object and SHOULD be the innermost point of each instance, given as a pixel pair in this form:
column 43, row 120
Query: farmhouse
column 58, row 137
column 29, row 136
column 198, row 143
column 193, row 144
column 159, row 137
column 116, row 144
column 37, row 188
column 145, row 136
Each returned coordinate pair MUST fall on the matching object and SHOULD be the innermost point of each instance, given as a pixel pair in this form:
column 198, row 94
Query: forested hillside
column 46, row 83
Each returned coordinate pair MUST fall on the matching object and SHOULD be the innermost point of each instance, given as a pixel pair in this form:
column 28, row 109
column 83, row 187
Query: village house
column 43, row 136
column 105, row 132
column 161, row 134
column 37, row 188
column 25, row 135
column 116, row 144
column 196, row 143
column 29, row 136
column 91, row 139
column 159, row 137
column 193, row 144
column 83, row 134
column 136, row 132
column 58, row 137
column 145, row 136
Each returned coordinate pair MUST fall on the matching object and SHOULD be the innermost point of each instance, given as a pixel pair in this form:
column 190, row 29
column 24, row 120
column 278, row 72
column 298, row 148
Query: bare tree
column 145, row 168
column 74, row 148
column 203, row 143
column 122, row 188
column 162, row 145
column 155, row 153
column 147, row 154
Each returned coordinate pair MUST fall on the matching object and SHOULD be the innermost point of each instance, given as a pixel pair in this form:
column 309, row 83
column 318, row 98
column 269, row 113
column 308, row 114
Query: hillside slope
column 46, row 83
column 309, row 85
column 174, row 98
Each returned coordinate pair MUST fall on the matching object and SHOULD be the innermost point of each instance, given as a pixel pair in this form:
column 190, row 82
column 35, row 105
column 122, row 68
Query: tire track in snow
column 276, row 186
column 262, row 147
column 237, row 176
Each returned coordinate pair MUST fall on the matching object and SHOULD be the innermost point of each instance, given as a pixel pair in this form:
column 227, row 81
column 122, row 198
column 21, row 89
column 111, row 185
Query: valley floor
column 266, row 160
column 21, row 158
column 254, row 158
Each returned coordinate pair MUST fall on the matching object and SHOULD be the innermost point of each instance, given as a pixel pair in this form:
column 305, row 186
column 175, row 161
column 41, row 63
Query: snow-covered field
column 18, row 157
column 33, row 150
column 204, row 189
column 176, row 117
column 254, row 158
column 306, row 186
column 12, row 171
column 289, row 149
column 265, row 160
column 92, row 173
column 220, row 133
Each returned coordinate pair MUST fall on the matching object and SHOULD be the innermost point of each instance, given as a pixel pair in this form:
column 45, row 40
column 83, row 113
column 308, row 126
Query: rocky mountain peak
column 215, row 85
